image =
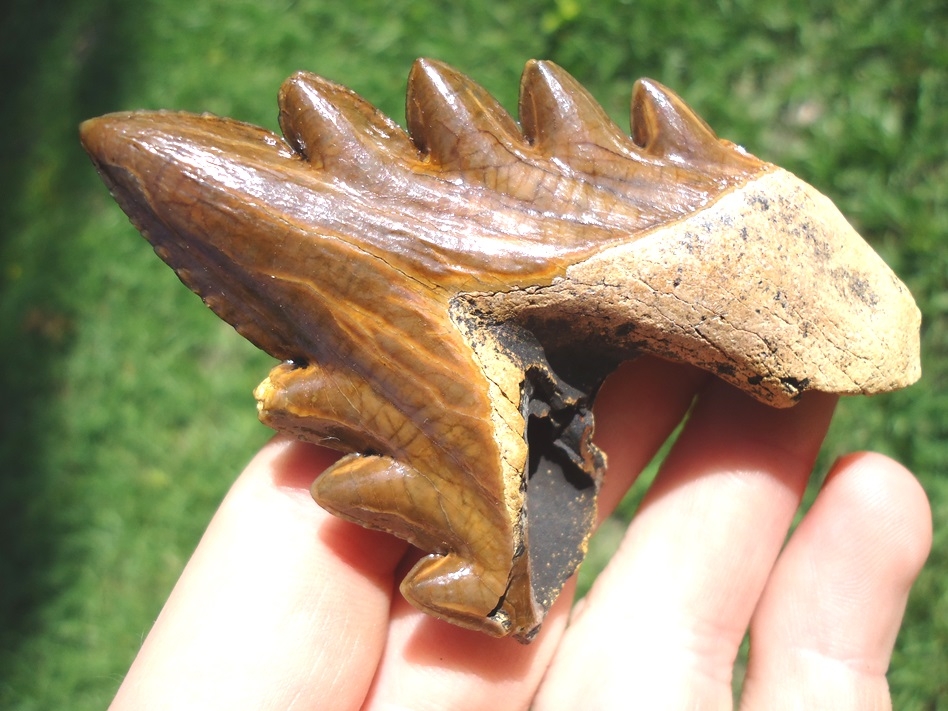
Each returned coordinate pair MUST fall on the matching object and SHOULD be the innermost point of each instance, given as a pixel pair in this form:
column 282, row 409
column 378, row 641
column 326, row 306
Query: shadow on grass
column 59, row 64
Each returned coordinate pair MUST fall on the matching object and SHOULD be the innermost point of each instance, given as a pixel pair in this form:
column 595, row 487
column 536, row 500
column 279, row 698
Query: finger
column 662, row 624
column 429, row 664
column 637, row 409
column 280, row 600
column 823, row 634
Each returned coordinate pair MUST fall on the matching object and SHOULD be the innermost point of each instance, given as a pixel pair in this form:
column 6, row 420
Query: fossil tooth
column 447, row 304
column 457, row 123
column 130, row 149
column 335, row 128
column 665, row 126
column 559, row 118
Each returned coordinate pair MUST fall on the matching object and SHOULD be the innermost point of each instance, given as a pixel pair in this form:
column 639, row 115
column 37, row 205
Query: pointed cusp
column 557, row 113
column 336, row 129
column 456, row 122
column 665, row 126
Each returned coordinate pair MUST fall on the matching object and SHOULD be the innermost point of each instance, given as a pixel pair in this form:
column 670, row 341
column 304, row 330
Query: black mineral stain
column 794, row 386
column 863, row 290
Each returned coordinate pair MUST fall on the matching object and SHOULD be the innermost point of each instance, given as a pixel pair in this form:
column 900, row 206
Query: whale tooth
column 335, row 128
column 557, row 113
column 663, row 125
column 457, row 123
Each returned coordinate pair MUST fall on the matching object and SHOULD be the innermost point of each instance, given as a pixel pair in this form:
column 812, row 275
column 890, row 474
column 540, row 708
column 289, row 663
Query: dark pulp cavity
column 562, row 483
column 564, row 468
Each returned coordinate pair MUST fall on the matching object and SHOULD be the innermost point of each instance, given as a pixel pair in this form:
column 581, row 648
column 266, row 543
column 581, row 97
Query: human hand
column 284, row 606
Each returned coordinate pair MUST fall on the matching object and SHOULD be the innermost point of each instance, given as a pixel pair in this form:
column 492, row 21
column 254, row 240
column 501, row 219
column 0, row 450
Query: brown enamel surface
column 446, row 300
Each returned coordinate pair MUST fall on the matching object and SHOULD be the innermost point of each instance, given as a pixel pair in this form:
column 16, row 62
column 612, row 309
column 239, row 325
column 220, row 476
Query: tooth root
column 333, row 127
column 456, row 122
column 557, row 113
column 664, row 125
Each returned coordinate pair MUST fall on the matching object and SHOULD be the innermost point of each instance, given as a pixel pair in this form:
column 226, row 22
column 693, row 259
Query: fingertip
column 880, row 489
column 828, row 619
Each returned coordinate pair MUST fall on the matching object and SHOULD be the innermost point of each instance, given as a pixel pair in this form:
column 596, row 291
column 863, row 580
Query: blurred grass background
column 128, row 407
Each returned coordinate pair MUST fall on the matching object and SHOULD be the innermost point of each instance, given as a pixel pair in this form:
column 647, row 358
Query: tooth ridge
column 331, row 125
column 456, row 123
column 556, row 111
column 569, row 159
column 664, row 125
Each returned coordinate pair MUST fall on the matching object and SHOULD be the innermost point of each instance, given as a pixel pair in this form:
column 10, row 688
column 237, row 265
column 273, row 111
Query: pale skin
column 285, row 607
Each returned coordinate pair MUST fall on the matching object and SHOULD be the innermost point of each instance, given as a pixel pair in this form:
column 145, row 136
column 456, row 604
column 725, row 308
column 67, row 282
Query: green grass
column 127, row 404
